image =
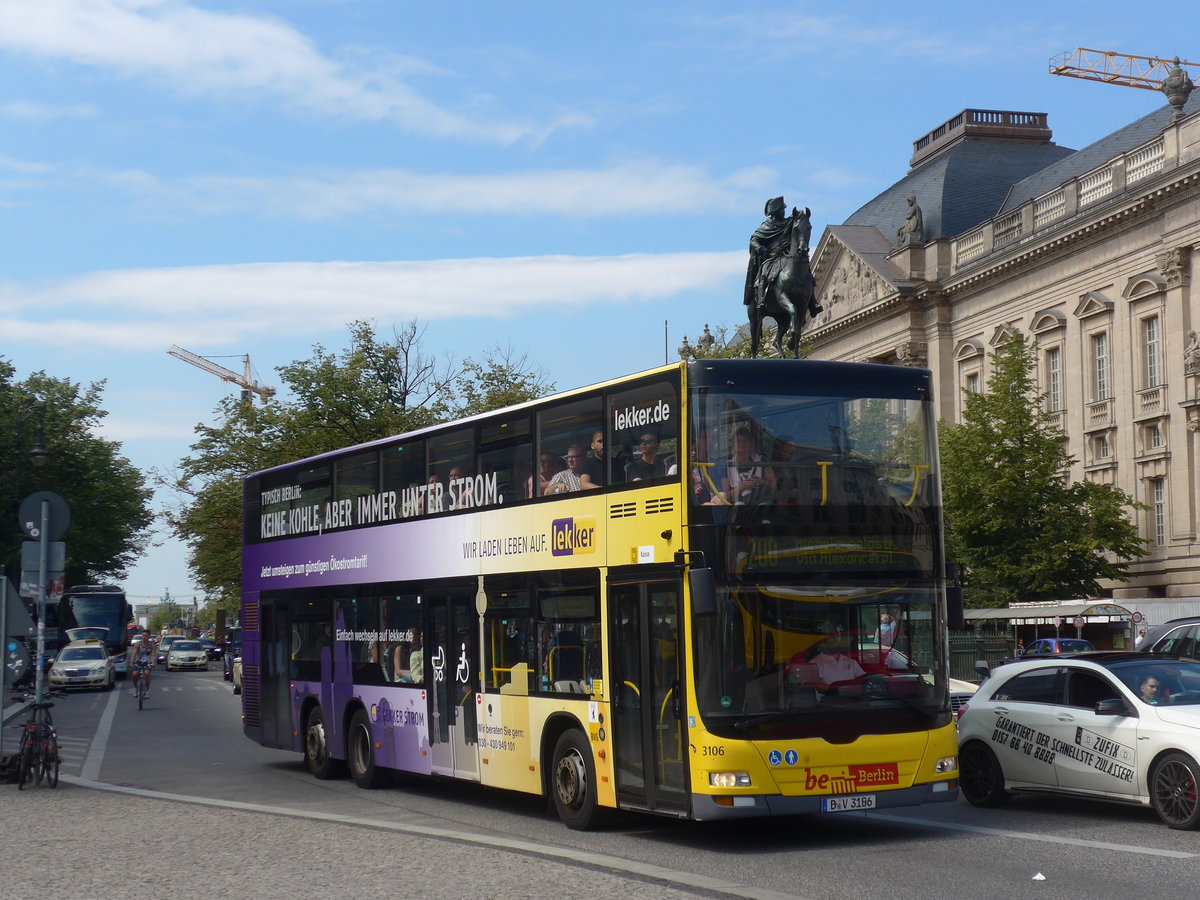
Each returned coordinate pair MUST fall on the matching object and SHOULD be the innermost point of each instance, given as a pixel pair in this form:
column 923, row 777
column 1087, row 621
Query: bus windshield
column 819, row 516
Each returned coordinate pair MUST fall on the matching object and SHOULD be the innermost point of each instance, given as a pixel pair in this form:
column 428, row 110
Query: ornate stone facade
column 1097, row 269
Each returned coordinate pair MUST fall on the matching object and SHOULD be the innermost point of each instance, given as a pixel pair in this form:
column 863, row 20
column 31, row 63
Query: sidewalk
column 78, row 843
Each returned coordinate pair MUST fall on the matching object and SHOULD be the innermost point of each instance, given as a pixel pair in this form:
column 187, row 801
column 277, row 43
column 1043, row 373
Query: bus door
column 451, row 663
column 275, row 635
column 647, row 676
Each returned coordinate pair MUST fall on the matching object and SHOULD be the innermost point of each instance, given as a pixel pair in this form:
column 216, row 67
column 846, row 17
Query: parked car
column 1181, row 636
column 233, row 649
column 237, row 674
column 210, row 648
column 164, row 645
column 1117, row 726
column 1043, row 647
column 960, row 693
column 187, row 654
column 83, row 664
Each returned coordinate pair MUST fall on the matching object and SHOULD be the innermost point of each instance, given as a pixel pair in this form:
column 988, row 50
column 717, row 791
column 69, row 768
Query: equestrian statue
column 779, row 279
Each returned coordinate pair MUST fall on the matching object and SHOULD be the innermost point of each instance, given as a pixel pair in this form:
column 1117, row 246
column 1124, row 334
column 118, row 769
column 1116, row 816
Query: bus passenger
column 747, row 479
column 597, row 468
column 549, row 465
column 572, row 477
column 646, row 464
column 415, row 673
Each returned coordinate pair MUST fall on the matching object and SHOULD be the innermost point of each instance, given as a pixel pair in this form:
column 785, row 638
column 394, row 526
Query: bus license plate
column 845, row 804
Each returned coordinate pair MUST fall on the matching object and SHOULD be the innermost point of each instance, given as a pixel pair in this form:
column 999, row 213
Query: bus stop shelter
column 1103, row 622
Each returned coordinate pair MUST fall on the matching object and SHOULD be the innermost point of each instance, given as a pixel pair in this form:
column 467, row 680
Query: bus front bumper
column 709, row 807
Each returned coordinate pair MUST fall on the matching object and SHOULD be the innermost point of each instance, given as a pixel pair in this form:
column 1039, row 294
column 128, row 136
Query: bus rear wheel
column 316, row 747
column 360, row 753
column 573, row 782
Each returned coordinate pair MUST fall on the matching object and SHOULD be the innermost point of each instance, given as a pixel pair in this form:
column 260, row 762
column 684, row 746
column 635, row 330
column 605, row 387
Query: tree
column 374, row 388
column 1018, row 526
column 724, row 345
column 107, row 495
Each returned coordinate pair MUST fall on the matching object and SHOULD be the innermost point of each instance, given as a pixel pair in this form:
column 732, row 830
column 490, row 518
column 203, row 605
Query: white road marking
column 1031, row 836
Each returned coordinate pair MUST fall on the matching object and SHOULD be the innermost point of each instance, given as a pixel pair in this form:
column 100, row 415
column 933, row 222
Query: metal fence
column 968, row 646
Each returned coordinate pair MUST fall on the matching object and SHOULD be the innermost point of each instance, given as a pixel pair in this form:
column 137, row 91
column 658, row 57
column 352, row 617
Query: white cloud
column 40, row 112
column 221, row 305
column 634, row 188
column 204, row 52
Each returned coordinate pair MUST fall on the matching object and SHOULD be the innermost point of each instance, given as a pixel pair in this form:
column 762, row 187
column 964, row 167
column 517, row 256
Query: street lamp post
column 38, row 454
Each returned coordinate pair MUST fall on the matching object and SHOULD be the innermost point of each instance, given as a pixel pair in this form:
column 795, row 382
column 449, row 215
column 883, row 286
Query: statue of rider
column 769, row 241
column 772, row 240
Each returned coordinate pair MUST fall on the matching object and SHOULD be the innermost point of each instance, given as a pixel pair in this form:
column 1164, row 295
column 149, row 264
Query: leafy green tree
column 108, row 496
column 727, row 343
column 1019, row 527
column 374, row 388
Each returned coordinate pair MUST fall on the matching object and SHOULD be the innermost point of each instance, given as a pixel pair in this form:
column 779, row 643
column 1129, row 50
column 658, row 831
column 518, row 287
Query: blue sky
column 248, row 177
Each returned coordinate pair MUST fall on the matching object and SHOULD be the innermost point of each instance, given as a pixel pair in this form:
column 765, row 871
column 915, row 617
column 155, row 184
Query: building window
column 1159, row 508
column 1156, row 438
column 1153, row 351
column 1054, row 398
column 1102, row 449
column 973, row 382
column 1100, row 366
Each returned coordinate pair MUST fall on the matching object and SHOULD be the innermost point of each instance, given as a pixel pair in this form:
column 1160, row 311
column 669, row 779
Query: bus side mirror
column 704, row 591
column 954, row 608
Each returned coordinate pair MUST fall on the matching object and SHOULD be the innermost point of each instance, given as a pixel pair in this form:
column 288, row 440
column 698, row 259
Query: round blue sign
column 774, row 757
column 791, row 757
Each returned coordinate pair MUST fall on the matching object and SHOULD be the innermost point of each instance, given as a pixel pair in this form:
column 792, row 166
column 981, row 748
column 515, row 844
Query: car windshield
column 185, row 645
column 1074, row 646
column 1177, row 680
column 79, row 654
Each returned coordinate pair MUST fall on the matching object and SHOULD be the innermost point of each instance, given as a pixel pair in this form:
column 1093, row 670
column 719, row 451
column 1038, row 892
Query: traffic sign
column 1079, row 622
column 58, row 519
column 1137, row 618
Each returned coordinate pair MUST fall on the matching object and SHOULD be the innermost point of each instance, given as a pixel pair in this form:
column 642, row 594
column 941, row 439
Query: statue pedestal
column 909, row 258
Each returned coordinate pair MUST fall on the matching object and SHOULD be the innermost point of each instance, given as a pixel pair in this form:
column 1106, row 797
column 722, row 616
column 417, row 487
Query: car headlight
column 55, row 670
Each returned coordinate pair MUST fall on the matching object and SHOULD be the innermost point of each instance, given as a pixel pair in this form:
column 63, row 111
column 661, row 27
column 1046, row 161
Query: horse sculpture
column 785, row 291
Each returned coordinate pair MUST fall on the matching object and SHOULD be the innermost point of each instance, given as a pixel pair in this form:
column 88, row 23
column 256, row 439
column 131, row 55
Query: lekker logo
column 571, row 536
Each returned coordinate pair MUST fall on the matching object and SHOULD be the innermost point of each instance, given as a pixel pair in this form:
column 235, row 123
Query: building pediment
column 852, row 271
column 968, row 349
column 1144, row 284
column 1047, row 320
column 1093, row 303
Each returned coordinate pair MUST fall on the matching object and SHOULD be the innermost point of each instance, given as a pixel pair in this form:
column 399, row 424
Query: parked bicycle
column 38, row 758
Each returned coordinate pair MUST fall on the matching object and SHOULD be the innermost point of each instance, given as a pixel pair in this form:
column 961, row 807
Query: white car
column 187, row 654
column 83, row 664
column 237, row 674
column 1116, row 726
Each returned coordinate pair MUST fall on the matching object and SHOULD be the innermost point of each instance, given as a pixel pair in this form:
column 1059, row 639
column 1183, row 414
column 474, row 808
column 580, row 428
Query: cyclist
column 143, row 662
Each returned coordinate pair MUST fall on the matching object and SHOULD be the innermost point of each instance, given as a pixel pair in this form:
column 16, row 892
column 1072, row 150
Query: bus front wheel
column 360, row 751
column 316, row 746
column 573, row 781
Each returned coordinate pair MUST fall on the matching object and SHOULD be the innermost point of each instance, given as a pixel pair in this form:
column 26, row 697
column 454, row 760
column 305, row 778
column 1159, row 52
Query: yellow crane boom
column 246, row 381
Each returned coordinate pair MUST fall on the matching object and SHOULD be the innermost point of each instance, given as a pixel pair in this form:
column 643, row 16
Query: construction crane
column 246, row 381
column 1151, row 73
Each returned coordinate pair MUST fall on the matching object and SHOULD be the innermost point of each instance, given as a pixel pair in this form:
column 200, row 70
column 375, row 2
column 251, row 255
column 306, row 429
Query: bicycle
column 38, row 758
column 140, row 688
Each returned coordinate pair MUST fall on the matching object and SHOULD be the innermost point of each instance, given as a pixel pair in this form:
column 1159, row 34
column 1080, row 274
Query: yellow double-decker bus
column 711, row 590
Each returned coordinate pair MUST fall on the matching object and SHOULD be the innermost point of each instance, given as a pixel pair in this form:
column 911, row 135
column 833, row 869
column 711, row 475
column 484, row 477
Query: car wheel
column 573, row 782
column 1173, row 790
column 316, row 747
column 360, row 753
column 980, row 775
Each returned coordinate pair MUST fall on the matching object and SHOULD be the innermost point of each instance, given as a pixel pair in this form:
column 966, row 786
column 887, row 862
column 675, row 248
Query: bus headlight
column 946, row 764
column 729, row 779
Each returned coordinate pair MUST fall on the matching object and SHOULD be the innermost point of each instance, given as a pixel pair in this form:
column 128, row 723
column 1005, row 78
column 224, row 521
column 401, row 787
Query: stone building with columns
column 1091, row 251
